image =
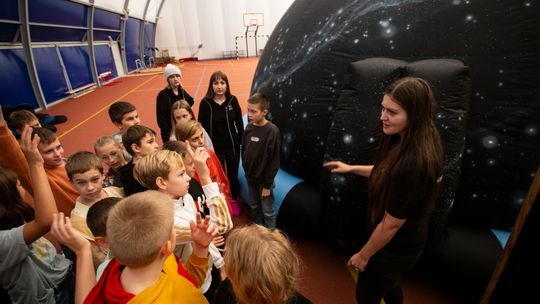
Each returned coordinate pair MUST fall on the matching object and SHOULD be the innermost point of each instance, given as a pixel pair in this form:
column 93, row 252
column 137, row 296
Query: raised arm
column 202, row 234
column 341, row 167
column 44, row 204
column 85, row 277
column 12, row 157
column 219, row 212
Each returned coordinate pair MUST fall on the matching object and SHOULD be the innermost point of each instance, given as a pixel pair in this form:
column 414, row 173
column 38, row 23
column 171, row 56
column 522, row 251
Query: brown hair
column 21, row 118
column 184, row 130
column 418, row 150
column 81, row 162
column 134, row 135
column 118, row 109
column 138, row 226
column 46, row 136
column 215, row 76
column 181, row 104
column 260, row 100
column 262, row 265
column 14, row 211
column 98, row 213
column 156, row 164
column 176, row 146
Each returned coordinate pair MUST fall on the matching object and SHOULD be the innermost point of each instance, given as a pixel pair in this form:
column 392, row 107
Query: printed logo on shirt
column 255, row 139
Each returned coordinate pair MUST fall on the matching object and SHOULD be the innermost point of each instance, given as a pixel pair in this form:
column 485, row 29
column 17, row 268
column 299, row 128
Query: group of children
column 153, row 226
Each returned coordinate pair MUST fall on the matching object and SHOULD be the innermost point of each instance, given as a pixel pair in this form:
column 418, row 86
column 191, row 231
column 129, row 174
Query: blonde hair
column 104, row 140
column 156, row 164
column 181, row 104
column 184, row 130
column 138, row 226
column 262, row 265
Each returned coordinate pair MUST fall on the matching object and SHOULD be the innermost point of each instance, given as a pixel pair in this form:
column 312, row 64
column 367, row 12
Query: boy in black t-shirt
column 260, row 159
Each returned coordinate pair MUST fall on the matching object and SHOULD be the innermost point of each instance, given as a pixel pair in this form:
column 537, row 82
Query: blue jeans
column 262, row 209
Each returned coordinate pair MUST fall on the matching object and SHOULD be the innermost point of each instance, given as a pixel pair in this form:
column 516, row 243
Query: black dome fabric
column 305, row 62
column 355, row 131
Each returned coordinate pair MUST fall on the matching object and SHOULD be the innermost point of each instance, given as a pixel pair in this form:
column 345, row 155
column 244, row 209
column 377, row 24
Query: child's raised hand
column 62, row 230
column 29, row 146
column 202, row 232
column 200, row 156
column 219, row 241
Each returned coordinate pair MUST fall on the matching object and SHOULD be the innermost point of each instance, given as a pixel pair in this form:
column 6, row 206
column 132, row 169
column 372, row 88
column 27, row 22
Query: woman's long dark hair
column 14, row 211
column 419, row 150
column 215, row 76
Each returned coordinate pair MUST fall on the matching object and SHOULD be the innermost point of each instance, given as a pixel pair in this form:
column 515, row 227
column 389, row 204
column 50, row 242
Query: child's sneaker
column 235, row 208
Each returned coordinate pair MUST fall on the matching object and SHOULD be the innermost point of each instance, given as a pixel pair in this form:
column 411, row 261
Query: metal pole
column 123, row 39
column 63, row 66
column 141, row 36
column 236, row 46
column 90, row 36
column 29, row 57
column 255, row 37
column 247, row 48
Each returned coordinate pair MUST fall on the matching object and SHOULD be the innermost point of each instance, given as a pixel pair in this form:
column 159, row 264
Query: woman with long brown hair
column 221, row 116
column 403, row 185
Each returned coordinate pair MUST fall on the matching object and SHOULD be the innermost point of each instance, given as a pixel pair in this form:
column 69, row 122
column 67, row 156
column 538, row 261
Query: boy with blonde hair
column 164, row 171
column 85, row 171
column 140, row 231
column 112, row 154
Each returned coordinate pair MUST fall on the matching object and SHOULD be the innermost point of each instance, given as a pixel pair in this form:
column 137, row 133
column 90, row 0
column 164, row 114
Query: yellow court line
column 105, row 107
column 152, row 90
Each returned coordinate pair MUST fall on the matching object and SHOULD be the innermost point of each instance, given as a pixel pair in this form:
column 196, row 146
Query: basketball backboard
column 253, row 19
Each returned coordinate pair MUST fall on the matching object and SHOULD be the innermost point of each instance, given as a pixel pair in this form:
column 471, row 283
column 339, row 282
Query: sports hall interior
column 77, row 57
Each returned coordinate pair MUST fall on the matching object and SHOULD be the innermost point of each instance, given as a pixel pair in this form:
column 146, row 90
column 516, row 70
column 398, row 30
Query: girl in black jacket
column 221, row 116
column 166, row 97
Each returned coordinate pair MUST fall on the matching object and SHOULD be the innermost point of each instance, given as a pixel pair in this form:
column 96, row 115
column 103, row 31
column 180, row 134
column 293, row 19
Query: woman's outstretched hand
column 337, row 167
